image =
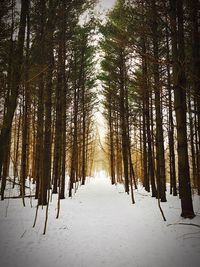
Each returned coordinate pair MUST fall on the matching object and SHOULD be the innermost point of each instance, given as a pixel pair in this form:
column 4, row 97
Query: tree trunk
column 12, row 101
column 172, row 159
column 195, row 67
column 178, row 55
column 123, row 124
column 160, row 155
column 25, row 122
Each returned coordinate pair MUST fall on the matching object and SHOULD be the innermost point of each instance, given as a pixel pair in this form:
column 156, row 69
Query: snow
column 99, row 227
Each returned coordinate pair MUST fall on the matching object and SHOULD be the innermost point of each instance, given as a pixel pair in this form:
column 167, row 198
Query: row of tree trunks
column 14, row 89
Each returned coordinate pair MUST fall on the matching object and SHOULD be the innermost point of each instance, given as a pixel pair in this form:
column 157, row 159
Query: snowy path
column 99, row 227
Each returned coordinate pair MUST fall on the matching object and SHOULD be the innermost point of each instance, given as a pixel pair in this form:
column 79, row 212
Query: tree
column 14, row 90
column 178, row 54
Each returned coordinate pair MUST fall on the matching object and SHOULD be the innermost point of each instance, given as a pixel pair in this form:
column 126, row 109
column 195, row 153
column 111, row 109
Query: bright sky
column 106, row 4
column 103, row 6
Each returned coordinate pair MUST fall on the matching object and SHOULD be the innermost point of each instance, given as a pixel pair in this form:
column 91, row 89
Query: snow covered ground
column 99, row 227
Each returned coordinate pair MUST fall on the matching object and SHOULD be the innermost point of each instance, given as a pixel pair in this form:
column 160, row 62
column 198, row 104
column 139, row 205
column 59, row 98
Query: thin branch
column 16, row 197
column 187, row 224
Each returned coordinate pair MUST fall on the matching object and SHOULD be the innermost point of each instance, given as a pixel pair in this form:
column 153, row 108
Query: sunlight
column 100, row 174
column 101, row 125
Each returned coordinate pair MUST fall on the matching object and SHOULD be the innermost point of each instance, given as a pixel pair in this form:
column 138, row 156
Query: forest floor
column 99, row 227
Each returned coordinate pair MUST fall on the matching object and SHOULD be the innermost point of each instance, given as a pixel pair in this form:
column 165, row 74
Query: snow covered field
column 99, row 227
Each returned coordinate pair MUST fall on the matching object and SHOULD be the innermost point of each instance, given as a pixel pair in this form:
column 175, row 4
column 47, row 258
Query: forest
column 78, row 89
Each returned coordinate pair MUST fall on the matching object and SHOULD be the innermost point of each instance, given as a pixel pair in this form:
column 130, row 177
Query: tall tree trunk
column 123, row 124
column 172, row 159
column 64, row 103
column 144, row 146
column 40, row 111
column 25, row 122
column 83, row 164
column 160, row 155
column 47, row 155
column 178, row 54
column 12, row 102
column 111, row 139
column 6, row 160
column 192, row 139
column 195, row 66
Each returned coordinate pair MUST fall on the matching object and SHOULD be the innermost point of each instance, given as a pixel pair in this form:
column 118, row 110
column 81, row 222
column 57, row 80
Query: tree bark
column 178, row 54
column 160, row 155
column 12, row 101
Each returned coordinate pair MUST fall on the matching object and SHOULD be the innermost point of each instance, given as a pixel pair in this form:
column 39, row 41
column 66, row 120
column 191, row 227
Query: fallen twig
column 15, row 197
column 23, row 234
column 187, row 224
column 11, row 180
